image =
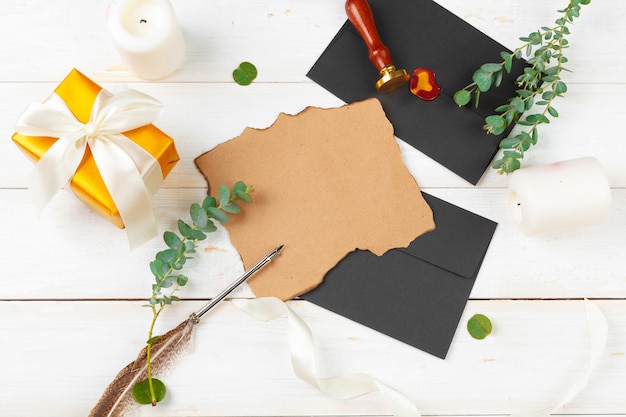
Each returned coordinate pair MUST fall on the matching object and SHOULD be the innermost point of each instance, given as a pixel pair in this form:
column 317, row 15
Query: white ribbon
column 304, row 363
column 130, row 173
column 598, row 331
column 352, row 385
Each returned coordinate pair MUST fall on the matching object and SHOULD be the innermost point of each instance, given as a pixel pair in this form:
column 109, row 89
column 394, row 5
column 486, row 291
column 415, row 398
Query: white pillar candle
column 560, row 197
column 147, row 36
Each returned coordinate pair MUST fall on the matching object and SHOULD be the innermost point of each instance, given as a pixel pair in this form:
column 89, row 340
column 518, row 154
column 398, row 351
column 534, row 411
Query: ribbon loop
column 130, row 173
column 303, row 359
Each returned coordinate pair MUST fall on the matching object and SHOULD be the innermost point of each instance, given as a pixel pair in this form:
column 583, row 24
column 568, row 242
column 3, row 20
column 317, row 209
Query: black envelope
column 420, row 33
column 416, row 295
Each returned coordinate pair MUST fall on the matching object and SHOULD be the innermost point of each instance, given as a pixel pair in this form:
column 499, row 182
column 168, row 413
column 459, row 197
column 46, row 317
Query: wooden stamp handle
column 360, row 15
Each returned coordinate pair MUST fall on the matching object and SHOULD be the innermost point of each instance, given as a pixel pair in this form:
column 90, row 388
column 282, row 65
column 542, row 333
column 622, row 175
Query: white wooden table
column 71, row 292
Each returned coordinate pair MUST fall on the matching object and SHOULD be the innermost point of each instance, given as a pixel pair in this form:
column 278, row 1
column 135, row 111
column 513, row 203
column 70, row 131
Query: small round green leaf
column 479, row 326
column 495, row 121
column 245, row 73
column 182, row 280
column 462, row 97
column 141, row 391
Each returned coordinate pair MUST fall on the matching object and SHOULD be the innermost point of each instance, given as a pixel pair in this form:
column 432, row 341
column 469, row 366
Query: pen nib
column 276, row 251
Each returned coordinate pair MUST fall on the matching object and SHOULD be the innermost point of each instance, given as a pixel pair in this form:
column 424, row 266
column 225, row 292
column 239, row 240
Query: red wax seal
column 423, row 84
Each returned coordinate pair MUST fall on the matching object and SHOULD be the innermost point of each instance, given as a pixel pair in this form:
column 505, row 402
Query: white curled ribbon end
column 353, row 385
column 303, row 359
column 598, row 331
column 130, row 173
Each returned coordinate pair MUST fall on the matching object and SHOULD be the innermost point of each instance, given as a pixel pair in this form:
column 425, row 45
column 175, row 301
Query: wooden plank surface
column 240, row 366
column 70, row 303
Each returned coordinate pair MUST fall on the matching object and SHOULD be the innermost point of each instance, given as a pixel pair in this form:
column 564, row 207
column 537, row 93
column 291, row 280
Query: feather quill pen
column 117, row 400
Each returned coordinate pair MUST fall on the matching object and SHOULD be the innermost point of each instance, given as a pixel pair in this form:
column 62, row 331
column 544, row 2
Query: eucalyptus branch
column 168, row 263
column 539, row 85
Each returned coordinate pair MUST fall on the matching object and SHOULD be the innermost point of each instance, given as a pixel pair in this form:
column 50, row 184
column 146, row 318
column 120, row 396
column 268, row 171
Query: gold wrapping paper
column 79, row 93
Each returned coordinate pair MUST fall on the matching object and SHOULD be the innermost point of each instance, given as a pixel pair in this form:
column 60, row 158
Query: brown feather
column 117, row 397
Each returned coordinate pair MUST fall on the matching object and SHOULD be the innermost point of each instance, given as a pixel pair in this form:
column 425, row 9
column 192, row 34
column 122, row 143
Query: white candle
column 560, row 197
column 147, row 36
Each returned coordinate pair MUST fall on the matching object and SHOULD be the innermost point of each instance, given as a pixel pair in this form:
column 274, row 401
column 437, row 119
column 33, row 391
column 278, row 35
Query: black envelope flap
column 412, row 294
column 420, row 33
column 459, row 242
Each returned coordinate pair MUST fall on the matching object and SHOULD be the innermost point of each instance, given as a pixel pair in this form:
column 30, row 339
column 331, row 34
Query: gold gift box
column 79, row 93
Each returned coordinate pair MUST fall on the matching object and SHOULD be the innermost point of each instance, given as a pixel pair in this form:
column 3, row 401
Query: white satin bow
column 130, row 173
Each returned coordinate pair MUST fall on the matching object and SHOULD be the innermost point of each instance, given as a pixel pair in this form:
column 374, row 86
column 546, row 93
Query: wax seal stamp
column 360, row 15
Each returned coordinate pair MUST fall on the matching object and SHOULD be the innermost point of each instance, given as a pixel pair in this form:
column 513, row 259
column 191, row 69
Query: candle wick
column 143, row 21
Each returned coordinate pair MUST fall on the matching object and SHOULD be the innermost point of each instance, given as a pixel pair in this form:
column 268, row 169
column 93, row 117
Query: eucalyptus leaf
column 462, row 97
column 518, row 104
column 172, row 259
column 141, row 391
column 479, row 326
column 507, row 61
column 491, row 68
column 189, row 233
column 223, row 195
column 167, row 282
column 167, row 256
column 218, row 214
column 240, row 186
column 172, row 240
column 182, row 280
column 209, row 201
column 495, row 121
column 210, row 227
column 198, row 215
column 560, row 87
column 153, row 339
column 245, row 73
column 232, row 208
column 498, row 79
column 509, row 143
column 180, row 263
column 242, row 195
column 156, row 267
column 482, row 79
column 553, row 112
